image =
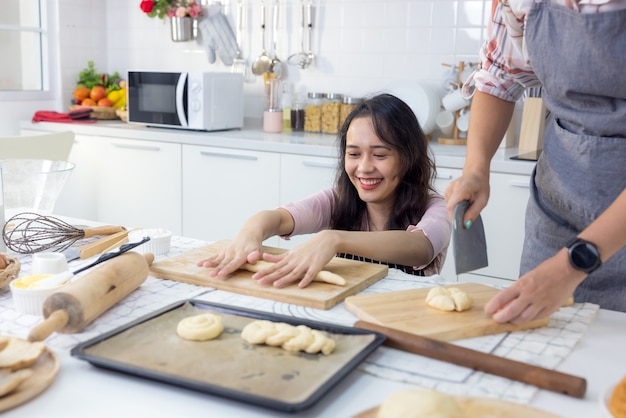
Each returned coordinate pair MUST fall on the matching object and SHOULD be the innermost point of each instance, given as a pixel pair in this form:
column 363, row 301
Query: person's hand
column 538, row 293
column 473, row 188
column 232, row 257
column 298, row 264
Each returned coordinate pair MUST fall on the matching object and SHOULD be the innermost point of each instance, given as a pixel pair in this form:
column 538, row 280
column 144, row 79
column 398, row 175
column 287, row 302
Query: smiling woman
column 382, row 209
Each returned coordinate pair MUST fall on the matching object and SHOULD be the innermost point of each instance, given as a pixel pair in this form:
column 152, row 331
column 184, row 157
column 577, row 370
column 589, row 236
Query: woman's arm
column 542, row 291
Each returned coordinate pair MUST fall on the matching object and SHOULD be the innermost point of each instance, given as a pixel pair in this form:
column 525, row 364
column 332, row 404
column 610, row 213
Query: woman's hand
column 232, row 257
column 299, row 264
column 538, row 293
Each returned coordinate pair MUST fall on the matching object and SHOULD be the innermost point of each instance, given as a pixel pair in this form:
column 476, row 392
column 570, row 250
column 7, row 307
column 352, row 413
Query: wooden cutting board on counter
column 358, row 275
column 407, row 311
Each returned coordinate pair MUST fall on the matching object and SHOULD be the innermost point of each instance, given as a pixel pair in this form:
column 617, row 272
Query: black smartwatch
column 583, row 255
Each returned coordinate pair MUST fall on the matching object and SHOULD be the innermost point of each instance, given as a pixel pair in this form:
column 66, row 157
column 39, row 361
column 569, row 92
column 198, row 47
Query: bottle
column 273, row 114
column 297, row 114
column 286, row 103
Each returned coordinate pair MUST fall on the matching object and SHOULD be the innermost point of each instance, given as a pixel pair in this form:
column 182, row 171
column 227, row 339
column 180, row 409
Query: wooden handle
column 102, row 230
column 102, row 244
column 488, row 363
column 54, row 322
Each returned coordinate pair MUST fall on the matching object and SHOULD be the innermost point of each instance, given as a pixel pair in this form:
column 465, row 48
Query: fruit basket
column 103, row 93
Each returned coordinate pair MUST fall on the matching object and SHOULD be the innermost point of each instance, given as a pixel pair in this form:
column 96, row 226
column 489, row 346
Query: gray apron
column 580, row 60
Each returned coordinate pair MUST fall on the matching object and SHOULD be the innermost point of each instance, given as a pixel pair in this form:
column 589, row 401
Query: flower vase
column 183, row 28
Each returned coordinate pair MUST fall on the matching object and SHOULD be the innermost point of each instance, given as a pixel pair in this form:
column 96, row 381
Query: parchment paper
column 227, row 361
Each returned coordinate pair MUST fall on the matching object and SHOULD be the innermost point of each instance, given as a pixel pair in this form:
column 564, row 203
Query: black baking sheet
column 227, row 366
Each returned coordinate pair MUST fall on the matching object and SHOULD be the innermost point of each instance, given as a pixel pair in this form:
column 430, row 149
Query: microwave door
column 181, row 99
column 152, row 98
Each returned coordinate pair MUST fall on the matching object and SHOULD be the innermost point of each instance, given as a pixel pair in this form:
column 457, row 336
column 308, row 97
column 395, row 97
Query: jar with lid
column 348, row 104
column 330, row 113
column 273, row 114
column 297, row 114
column 313, row 112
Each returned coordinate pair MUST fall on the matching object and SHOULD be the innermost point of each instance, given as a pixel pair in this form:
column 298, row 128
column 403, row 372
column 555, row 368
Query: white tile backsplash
column 360, row 45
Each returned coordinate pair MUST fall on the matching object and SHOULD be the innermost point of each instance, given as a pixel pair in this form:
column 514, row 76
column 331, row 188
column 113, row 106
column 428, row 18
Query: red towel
column 74, row 116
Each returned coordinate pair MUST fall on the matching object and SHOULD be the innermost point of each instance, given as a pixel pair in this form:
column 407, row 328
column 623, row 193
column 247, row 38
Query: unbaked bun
column 289, row 337
column 449, row 299
column 420, row 403
column 203, row 327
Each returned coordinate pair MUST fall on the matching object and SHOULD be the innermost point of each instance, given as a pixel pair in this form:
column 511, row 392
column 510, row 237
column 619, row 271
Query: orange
column 81, row 93
column 105, row 102
column 88, row 102
column 97, row 93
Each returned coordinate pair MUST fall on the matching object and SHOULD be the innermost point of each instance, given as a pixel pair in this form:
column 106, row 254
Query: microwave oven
column 205, row 101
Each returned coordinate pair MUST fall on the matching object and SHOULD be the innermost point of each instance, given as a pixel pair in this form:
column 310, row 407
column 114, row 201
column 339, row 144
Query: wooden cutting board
column 484, row 408
column 407, row 311
column 358, row 275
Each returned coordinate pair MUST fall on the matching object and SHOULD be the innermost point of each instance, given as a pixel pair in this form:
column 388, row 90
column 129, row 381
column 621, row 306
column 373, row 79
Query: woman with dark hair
column 383, row 207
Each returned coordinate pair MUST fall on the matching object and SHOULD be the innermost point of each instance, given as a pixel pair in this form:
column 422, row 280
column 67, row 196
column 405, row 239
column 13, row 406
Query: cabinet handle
column 137, row 147
column 233, row 156
column 519, row 183
column 444, row 176
column 319, row 165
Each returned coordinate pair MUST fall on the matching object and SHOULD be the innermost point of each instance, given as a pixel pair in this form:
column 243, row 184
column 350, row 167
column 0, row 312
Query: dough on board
column 449, row 299
column 420, row 403
column 202, row 327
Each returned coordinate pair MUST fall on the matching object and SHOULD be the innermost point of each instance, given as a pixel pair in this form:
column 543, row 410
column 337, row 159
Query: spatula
column 469, row 244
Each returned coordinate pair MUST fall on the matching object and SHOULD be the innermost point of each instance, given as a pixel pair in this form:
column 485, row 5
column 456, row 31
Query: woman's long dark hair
column 396, row 125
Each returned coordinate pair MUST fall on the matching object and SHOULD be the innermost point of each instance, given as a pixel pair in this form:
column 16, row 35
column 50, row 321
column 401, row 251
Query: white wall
column 360, row 45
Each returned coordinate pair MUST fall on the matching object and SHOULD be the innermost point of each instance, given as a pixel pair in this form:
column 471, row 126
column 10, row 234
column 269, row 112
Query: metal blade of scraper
column 469, row 245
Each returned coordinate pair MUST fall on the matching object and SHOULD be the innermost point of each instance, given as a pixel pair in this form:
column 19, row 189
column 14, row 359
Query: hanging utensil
column 263, row 63
column 276, row 69
column 33, row 233
column 240, row 65
column 304, row 58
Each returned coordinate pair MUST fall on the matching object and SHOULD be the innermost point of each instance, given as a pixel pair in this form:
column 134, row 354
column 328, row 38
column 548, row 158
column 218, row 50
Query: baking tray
column 227, row 366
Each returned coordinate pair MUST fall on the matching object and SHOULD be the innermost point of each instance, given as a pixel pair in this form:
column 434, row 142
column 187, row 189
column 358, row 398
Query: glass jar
column 330, row 113
column 313, row 112
column 297, row 114
column 348, row 104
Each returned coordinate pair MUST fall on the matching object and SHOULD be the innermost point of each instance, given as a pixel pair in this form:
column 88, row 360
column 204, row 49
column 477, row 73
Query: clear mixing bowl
column 32, row 185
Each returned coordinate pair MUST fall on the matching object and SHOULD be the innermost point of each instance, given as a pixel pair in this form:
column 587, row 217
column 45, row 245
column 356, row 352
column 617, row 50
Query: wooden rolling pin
column 488, row 363
column 71, row 309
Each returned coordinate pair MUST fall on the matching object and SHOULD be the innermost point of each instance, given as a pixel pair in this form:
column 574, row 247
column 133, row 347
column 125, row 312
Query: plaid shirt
column 505, row 70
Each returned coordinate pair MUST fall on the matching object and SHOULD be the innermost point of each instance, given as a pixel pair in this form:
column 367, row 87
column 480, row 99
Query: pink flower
column 181, row 11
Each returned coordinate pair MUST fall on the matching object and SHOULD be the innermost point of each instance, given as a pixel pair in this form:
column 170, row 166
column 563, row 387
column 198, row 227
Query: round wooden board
column 484, row 408
column 45, row 370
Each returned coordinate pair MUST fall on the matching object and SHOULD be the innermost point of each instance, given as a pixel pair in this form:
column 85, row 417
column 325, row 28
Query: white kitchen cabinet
column 223, row 187
column 300, row 176
column 503, row 219
column 140, row 184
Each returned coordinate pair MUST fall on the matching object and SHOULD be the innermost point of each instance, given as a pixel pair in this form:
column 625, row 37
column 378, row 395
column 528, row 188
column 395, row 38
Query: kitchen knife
column 469, row 244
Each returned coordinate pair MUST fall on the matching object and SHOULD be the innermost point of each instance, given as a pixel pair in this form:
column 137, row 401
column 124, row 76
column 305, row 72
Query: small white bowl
column 30, row 301
column 48, row 263
column 159, row 244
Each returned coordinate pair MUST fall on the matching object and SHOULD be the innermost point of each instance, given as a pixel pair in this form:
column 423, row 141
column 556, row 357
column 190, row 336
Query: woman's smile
column 369, row 183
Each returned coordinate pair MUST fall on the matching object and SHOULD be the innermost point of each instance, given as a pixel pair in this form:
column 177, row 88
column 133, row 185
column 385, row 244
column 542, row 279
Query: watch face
column 584, row 256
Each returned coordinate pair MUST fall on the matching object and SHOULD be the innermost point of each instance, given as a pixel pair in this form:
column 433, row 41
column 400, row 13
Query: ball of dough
column 203, row 327
column 420, row 403
column 449, row 299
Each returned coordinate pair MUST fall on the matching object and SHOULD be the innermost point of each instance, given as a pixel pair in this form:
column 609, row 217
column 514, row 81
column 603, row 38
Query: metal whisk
column 28, row 233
